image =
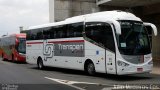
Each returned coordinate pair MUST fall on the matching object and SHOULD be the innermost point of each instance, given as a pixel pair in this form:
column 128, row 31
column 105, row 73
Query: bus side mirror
column 154, row 28
column 117, row 26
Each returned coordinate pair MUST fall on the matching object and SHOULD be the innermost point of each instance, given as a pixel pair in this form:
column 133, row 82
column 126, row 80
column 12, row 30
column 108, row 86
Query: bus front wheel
column 90, row 68
column 40, row 63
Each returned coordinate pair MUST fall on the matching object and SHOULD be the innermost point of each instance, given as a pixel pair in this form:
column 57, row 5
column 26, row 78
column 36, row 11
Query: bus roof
column 99, row 16
column 20, row 35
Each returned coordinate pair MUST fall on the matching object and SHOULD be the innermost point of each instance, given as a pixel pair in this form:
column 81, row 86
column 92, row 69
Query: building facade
column 147, row 10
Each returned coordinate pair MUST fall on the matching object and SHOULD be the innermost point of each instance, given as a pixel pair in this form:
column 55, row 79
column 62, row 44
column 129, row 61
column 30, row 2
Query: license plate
column 139, row 69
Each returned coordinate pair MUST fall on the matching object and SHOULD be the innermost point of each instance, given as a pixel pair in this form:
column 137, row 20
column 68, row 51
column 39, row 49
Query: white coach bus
column 112, row 42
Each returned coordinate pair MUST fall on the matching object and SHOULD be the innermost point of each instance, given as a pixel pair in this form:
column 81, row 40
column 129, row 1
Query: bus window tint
column 75, row 30
column 28, row 33
column 22, row 45
column 39, row 34
column 101, row 33
column 52, row 34
column 60, row 31
column 35, row 34
column 46, row 33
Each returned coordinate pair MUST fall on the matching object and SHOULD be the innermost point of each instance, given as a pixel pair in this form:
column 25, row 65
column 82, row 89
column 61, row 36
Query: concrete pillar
column 51, row 11
column 62, row 9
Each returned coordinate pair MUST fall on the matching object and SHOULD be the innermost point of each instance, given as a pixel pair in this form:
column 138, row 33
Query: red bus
column 13, row 47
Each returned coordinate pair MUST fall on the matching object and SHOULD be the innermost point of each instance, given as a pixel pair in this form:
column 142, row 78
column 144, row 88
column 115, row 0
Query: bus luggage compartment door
column 110, row 62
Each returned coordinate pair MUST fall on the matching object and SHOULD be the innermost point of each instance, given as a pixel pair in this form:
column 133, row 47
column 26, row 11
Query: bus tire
column 40, row 63
column 90, row 68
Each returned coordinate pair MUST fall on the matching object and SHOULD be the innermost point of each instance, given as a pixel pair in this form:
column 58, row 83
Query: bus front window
column 22, row 45
column 134, row 39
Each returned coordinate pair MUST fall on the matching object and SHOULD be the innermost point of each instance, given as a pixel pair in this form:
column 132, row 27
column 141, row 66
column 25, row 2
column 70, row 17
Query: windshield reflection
column 134, row 39
column 22, row 45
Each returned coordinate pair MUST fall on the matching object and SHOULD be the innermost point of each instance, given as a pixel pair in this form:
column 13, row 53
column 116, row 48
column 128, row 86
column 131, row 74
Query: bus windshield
column 134, row 39
column 22, row 45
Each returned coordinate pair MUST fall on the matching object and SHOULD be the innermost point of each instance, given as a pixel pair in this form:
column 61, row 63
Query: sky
column 16, row 13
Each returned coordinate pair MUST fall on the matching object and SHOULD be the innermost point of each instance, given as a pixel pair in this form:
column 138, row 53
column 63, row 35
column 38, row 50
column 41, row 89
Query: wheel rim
column 40, row 64
column 90, row 68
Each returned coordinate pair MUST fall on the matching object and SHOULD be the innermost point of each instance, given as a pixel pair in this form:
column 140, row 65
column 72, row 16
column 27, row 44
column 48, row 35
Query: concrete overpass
column 127, row 3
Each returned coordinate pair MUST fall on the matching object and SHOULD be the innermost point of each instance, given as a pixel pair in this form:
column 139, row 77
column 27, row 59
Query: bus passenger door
column 110, row 50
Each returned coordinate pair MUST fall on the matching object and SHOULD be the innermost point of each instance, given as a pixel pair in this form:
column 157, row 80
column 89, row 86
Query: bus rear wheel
column 90, row 69
column 40, row 63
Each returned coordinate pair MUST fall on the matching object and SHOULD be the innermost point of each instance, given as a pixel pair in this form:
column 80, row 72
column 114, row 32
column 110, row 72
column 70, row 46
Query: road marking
column 70, row 83
column 65, row 82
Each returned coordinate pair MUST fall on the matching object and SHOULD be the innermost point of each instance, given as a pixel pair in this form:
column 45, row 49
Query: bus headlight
column 120, row 63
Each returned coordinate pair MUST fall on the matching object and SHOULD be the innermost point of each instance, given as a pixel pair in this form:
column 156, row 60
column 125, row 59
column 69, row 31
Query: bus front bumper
column 21, row 58
column 134, row 69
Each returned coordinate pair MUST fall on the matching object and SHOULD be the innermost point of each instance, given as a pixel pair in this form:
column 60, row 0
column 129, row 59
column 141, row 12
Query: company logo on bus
column 75, row 49
column 69, row 48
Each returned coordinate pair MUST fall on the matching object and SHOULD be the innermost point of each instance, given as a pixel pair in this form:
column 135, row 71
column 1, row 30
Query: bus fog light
column 150, row 63
column 120, row 63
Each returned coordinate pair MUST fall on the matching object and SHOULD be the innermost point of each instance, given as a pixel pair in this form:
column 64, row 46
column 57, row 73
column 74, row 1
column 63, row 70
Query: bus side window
column 46, row 33
column 100, row 33
column 38, row 34
column 70, row 31
column 75, row 30
column 28, row 35
column 93, row 31
column 33, row 34
column 60, row 31
column 56, row 34
column 78, row 29
column 63, row 33
column 52, row 34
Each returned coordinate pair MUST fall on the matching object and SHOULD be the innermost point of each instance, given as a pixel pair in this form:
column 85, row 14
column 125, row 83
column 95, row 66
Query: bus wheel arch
column 89, row 67
column 40, row 63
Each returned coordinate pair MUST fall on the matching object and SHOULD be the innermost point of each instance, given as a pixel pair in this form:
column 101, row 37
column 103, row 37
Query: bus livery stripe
column 66, row 41
column 34, row 42
column 56, row 41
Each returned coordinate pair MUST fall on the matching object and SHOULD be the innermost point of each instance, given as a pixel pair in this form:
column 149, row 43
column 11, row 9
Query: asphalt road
column 20, row 76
